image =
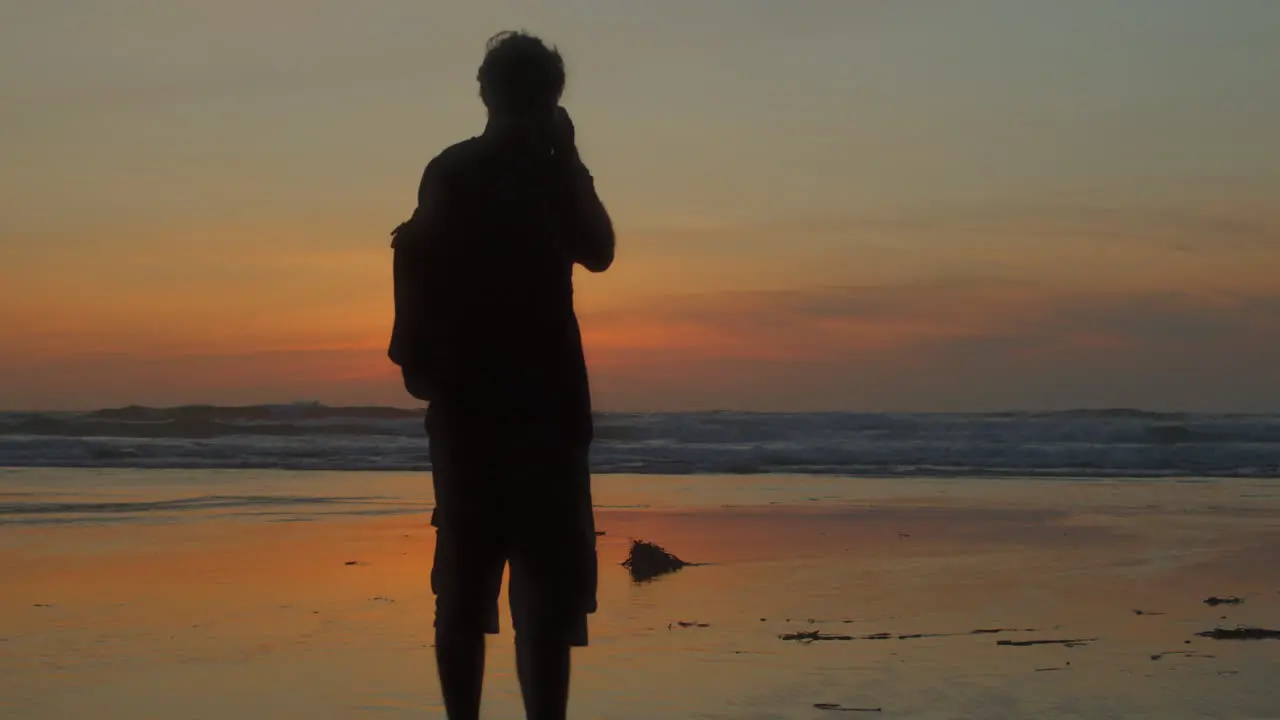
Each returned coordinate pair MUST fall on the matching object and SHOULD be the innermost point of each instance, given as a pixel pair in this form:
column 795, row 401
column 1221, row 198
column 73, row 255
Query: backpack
column 410, row 346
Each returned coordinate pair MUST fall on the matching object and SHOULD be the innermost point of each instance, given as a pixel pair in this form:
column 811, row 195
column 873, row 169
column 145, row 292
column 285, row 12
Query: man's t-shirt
column 484, row 293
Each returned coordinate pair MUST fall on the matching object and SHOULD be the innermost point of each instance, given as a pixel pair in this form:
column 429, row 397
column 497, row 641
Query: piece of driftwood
column 647, row 561
column 836, row 707
column 1216, row 601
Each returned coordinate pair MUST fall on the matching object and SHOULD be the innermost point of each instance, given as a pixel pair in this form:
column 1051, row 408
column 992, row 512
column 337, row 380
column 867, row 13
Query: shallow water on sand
column 252, row 594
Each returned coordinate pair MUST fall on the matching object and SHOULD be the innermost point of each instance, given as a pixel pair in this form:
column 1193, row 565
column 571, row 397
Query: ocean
column 274, row 561
column 307, row 436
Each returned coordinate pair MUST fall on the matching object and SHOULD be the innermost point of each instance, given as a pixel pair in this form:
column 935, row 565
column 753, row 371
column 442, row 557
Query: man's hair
column 520, row 73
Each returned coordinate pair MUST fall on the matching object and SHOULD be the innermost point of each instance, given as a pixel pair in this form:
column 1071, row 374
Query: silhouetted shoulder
column 451, row 162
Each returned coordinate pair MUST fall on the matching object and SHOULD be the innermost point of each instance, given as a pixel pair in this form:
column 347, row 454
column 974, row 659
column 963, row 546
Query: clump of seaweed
column 647, row 561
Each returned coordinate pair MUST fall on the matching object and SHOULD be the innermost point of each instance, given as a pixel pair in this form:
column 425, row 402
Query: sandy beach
column 259, row 594
column 940, row 341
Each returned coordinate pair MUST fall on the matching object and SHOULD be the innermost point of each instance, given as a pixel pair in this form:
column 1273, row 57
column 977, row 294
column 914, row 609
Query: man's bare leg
column 460, row 661
column 542, row 664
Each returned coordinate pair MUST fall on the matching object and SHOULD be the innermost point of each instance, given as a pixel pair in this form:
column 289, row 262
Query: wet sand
column 209, row 614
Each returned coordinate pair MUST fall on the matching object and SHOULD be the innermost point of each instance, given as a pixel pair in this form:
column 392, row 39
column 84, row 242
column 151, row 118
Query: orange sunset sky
column 843, row 204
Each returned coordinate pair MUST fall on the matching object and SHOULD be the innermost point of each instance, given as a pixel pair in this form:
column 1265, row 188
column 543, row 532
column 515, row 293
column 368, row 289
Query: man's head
column 520, row 76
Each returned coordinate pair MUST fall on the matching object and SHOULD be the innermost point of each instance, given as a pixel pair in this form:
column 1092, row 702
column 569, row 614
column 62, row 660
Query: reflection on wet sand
column 986, row 600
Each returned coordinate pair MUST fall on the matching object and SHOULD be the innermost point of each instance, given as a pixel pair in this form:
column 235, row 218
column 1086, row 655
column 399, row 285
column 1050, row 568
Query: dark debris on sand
column 1183, row 653
column 1241, row 632
column 1216, row 601
column 1075, row 642
column 813, row 636
column 688, row 624
column 836, row 707
column 647, row 561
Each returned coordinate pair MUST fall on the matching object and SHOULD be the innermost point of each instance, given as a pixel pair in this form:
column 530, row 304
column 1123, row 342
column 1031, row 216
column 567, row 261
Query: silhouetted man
column 485, row 331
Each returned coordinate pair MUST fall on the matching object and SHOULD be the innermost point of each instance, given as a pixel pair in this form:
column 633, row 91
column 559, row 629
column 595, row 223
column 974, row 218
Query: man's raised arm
column 590, row 231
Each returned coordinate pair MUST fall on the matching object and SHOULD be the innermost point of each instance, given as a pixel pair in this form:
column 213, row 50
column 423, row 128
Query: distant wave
column 1078, row 443
column 1115, row 413
column 196, row 428
column 250, row 413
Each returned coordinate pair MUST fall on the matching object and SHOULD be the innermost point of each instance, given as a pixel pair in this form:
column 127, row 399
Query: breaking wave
column 1077, row 443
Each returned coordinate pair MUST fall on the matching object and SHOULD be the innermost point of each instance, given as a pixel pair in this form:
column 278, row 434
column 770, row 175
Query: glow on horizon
column 987, row 204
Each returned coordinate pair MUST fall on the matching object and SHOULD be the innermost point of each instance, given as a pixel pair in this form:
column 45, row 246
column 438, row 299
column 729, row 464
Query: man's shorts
column 512, row 497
